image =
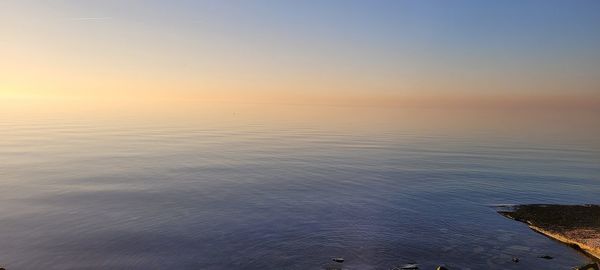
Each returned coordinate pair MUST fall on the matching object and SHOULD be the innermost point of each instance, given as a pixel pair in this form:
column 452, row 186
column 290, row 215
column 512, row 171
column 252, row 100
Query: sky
column 311, row 51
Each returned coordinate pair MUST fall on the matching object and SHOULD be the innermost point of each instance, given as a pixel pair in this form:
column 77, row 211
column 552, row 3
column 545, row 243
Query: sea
column 288, row 186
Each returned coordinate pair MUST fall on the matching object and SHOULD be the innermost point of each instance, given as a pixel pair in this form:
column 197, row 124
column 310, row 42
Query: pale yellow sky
column 115, row 50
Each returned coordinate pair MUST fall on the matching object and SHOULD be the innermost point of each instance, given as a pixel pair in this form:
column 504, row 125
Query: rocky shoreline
column 575, row 225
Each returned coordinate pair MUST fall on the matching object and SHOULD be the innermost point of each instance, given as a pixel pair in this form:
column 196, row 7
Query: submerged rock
column 515, row 259
column 546, row 257
column 338, row 259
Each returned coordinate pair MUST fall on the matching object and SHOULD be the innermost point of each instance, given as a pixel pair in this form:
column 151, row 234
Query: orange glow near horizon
column 65, row 54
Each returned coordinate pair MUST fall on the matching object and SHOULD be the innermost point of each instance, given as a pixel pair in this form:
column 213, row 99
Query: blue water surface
column 256, row 194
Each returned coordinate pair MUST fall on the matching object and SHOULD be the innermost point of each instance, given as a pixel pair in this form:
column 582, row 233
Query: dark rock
column 515, row 259
column 591, row 266
column 441, row 268
column 546, row 257
column 575, row 225
column 338, row 259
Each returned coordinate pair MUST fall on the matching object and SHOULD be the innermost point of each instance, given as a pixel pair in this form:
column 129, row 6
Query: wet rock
column 591, row 266
column 441, row 268
column 410, row 266
column 515, row 259
column 546, row 257
column 338, row 259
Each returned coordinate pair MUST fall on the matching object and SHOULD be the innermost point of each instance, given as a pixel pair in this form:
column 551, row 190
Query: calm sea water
column 282, row 189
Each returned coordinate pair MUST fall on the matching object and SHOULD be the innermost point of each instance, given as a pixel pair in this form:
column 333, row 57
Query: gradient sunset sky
column 288, row 50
